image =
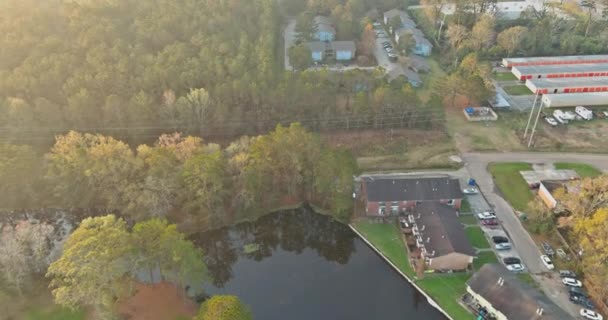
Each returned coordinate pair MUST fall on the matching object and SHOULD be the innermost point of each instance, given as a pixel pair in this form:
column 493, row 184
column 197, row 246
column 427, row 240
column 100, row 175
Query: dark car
column 499, row 239
column 567, row 274
column 577, row 292
column 489, row 222
column 583, row 301
column 511, row 260
column 547, row 248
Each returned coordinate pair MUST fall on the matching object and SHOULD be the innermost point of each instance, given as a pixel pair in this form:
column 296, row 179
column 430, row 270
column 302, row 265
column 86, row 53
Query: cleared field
column 504, row 76
column 511, row 184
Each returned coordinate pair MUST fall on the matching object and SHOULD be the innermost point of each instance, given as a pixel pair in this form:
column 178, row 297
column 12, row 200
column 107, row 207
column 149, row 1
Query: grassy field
column 54, row 313
column 504, row 76
column 511, row 184
column 468, row 219
column 517, row 90
column 477, row 238
column 583, row 170
column 387, row 238
column 483, row 258
column 447, row 290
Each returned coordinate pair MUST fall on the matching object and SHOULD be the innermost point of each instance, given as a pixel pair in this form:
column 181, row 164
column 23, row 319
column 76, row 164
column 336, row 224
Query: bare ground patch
column 161, row 301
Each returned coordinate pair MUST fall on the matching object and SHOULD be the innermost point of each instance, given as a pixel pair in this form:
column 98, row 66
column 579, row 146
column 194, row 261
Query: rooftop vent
column 540, row 311
column 500, row 281
column 428, row 239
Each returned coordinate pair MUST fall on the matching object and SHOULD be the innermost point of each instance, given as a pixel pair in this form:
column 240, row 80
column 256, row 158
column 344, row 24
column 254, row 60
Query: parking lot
column 393, row 69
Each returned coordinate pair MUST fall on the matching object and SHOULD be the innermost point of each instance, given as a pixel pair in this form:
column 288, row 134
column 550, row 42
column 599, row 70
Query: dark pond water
column 307, row 266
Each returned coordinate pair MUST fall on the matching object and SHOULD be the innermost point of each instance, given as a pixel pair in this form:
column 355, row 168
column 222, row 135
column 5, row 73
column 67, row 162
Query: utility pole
column 530, row 117
column 540, row 109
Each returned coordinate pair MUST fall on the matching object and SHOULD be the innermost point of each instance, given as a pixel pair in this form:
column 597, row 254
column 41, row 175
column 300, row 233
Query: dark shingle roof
column 442, row 229
column 412, row 189
column 514, row 298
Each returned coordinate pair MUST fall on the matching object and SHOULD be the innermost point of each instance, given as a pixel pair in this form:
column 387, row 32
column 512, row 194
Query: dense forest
column 181, row 178
column 140, row 68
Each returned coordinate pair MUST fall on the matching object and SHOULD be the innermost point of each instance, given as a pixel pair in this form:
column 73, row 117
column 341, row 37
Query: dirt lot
column 506, row 133
column 379, row 150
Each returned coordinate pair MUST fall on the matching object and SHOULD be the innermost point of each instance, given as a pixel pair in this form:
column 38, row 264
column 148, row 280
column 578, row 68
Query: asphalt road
column 476, row 164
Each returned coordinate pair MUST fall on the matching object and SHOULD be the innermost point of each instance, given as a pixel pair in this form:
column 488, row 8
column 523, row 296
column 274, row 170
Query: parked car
column 486, row 215
column 547, row 248
column 569, row 115
column 499, row 239
column 591, row 315
column 489, row 222
column 578, row 291
column 516, row 267
column 571, row 282
column 377, row 24
column 392, row 57
column 559, row 116
column 567, row 274
column 583, row 301
column 470, row 191
column 562, row 254
column 547, row 262
column 502, row 246
column 551, row 121
column 511, row 260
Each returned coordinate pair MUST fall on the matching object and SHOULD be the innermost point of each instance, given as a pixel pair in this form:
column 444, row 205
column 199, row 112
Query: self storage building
column 568, row 85
column 561, row 60
column 561, row 71
column 588, row 99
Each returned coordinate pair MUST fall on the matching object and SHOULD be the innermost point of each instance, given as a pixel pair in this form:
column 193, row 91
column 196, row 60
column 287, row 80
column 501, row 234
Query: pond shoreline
column 430, row 300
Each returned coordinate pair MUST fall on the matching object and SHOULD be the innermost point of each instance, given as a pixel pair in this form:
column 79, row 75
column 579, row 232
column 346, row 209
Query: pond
column 298, row 264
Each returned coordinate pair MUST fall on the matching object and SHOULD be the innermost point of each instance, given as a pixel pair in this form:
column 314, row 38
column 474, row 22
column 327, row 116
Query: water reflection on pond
column 301, row 265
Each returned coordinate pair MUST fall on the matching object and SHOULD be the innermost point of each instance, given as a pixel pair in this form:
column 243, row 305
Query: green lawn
column 583, row 170
column 55, row 313
column 387, row 238
column 504, row 76
column 468, row 219
column 517, row 90
column 483, row 258
column 465, row 206
column 527, row 278
column 511, row 184
column 446, row 290
column 477, row 238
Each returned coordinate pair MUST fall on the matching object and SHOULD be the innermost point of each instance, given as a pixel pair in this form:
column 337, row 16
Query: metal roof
column 576, row 99
column 568, row 82
column 566, row 68
column 549, row 60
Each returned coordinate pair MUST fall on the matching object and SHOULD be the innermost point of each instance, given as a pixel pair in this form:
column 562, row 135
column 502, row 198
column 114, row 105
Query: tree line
column 99, row 263
column 181, row 177
column 134, row 68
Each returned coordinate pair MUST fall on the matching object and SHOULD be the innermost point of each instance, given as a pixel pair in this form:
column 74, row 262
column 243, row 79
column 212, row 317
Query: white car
column 486, row 215
column 547, row 262
column 572, row 282
column 515, row 267
column 502, row 246
column 591, row 315
column 569, row 115
column 551, row 121
column 470, row 191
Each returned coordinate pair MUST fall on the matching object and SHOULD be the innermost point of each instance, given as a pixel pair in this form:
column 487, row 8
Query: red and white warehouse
column 567, row 85
column 561, row 71
column 544, row 61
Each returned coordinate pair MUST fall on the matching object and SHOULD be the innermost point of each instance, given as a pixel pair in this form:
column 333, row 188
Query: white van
column 584, row 112
column 560, row 116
